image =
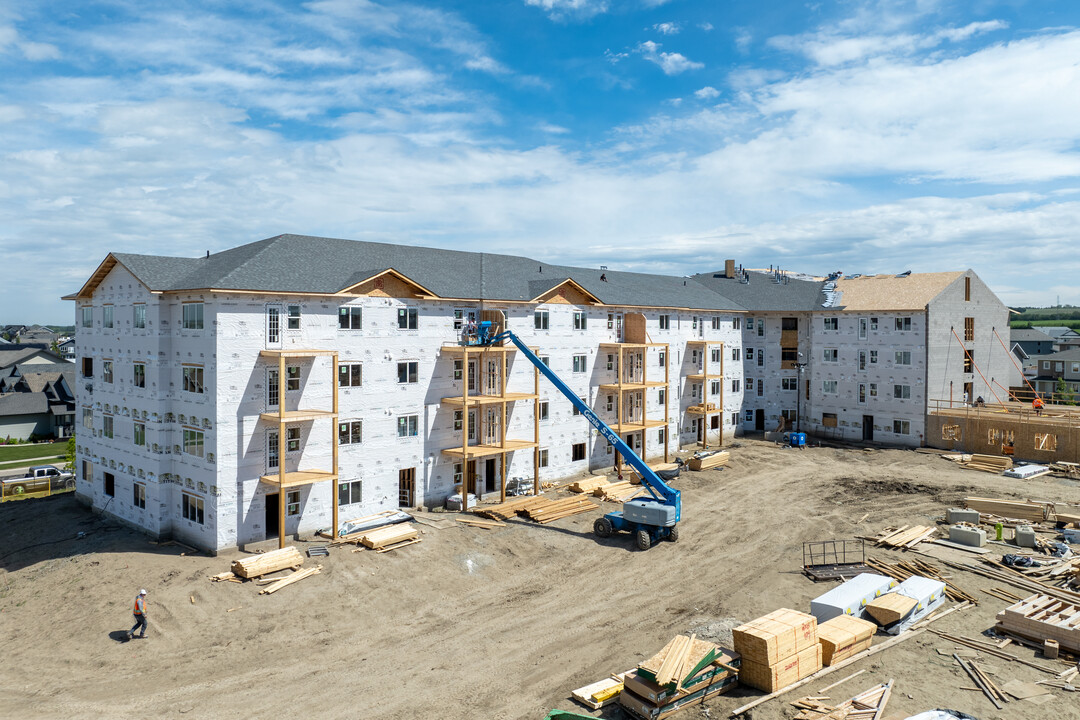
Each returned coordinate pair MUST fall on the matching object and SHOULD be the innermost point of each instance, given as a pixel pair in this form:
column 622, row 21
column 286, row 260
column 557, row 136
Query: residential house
column 37, row 399
column 1064, row 337
column 1055, row 368
column 1032, row 341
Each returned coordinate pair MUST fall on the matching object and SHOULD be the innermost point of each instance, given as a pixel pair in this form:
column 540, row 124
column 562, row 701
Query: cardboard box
column 771, row 678
column 851, row 597
column 776, row 636
column 844, row 636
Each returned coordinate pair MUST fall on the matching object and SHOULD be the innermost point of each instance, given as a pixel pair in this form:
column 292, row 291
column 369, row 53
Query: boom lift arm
column 651, row 519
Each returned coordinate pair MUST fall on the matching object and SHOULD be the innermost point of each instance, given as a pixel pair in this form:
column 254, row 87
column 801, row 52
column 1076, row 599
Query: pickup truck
column 39, row 478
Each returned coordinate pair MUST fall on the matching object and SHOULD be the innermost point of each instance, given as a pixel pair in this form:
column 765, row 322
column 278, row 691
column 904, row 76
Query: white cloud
column 667, row 28
column 10, row 40
column 552, row 129
column 570, row 9
column 707, row 93
column 670, row 63
column 706, row 26
column 743, row 40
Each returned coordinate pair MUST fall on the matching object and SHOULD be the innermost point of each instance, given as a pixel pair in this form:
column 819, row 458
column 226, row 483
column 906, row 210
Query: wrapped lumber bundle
column 587, row 485
column 258, row 565
column 844, row 636
column 687, row 672
column 710, row 461
column 390, row 535
column 1013, row 509
column 778, row 649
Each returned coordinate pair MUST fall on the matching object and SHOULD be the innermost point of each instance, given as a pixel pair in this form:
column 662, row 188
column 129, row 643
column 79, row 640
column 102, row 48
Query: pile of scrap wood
column 905, row 537
column 867, row 705
column 266, row 563
column 1068, row 469
column 996, row 464
column 705, row 461
column 389, row 538
column 909, row 568
column 510, row 508
column 297, row 576
column 619, row 491
column 485, row 524
column 687, row 672
column 551, row 510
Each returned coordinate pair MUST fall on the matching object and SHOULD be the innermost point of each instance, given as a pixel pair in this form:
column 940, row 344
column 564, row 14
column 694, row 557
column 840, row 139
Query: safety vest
column 1038, row 403
column 140, row 605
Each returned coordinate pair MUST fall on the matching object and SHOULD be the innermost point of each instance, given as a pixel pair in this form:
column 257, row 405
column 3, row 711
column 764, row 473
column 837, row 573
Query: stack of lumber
column 1041, row 618
column 266, row 563
column 1068, row 469
column 867, row 705
column 909, row 568
column 778, row 649
column 587, row 485
column 485, row 524
column 510, row 508
column 600, row 693
column 905, row 537
column 996, row 464
column 290, row 579
column 890, row 608
column 844, row 636
column 687, row 672
column 635, row 476
column 390, row 536
column 619, row 491
column 550, row 510
column 710, row 461
column 1015, row 509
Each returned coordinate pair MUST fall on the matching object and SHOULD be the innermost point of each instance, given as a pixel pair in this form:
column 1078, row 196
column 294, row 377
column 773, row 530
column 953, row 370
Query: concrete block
column 1025, row 536
column 959, row 515
column 975, row 537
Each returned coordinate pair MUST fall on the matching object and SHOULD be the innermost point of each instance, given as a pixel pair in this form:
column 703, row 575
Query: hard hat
column 142, row 592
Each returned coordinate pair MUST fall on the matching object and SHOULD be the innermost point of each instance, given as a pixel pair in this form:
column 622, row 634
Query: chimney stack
column 729, row 268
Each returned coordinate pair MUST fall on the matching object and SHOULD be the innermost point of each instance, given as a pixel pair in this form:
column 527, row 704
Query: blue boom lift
column 650, row 519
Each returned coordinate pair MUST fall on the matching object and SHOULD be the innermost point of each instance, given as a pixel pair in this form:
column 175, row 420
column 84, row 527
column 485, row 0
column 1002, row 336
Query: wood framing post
column 334, row 443
column 282, row 447
column 667, row 400
column 465, row 426
column 619, row 409
column 502, row 471
column 705, row 395
column 720, row 401
column 536, row 431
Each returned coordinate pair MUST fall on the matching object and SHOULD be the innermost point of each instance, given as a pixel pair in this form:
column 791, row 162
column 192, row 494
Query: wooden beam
column 536, row 431
column 465, row 426
column 282, row 445
column 334, row 441
column 667, row 400
column 619, row 408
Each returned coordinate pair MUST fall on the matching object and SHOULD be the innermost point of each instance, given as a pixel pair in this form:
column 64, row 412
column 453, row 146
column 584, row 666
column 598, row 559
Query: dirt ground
column 473, row 623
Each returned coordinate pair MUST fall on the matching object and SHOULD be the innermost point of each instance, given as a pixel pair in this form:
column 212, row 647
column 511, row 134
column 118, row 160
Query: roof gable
column 889, row 292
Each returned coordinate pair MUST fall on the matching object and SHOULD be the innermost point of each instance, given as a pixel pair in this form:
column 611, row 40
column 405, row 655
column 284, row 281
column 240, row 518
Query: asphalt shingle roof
column 299, row 263
column 1057, row 331
column 1028, row 335
column 763, row 293
column 21, row 403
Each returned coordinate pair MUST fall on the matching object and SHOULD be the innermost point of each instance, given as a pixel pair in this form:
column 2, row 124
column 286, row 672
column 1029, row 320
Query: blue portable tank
column 798, row 439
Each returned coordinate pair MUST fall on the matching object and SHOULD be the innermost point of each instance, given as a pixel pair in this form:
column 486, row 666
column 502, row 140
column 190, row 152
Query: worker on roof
column 1037, row 405
column 140, row 616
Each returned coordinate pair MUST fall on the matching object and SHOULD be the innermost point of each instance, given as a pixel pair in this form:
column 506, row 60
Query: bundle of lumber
column 656, row 467
column 866, row 705
column 686, row 672
column 391, row 535
column 266, row 563
column 909, row 568
column 1015, row 509
column 485, row 524
column 552, row 510
column 510, row 508
column 989, row 463
column 905, row 537
column 619, row 491
column 778, row 649
column 600, row 693
column 1040, row 618
column 587, row 485
column 710, row 461
column 290, row 579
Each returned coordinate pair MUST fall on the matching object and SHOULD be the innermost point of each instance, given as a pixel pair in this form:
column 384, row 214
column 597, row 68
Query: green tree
column 69, row 454
column 1062, row 394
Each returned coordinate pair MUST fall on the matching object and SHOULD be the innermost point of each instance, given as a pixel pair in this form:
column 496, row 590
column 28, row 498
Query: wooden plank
column 286, row 581
column 266, row 563
column 388, row 548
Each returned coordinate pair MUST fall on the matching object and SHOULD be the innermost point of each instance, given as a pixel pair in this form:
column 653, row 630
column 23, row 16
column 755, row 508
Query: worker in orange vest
column 140, row 616
column 1037, row 405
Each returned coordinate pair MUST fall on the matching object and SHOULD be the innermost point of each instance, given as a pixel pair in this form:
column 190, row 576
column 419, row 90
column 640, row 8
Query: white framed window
column 350, row 317
column 106, row 371
column 272, row 387
column 830, row 355
column 873, row 357
column 749, row 353
column 611, row 361
column 748, row 416
column 193, row 508
column 292, row 378
column 107, row 316
column 736, row 354
column 193, row 316
column 662, row 358
column 350, row 493
column 661, row 435
column 862, row 328
column 87, row 316
column 761, row 357
column 193, row 379
column 292, row 503
column 665, row 322
column 273, row 450
column 714, row 388
column 873, row 323
column 716, row 322
column 350, row 432
column 828, row 386
column 138, row 375
column 541, row 320
column 581, row 320
column 577, row 452
column 862, row 359
column 107, row 425
column 138, row 316
column 761, row 327
column 543, row 457
column 580, row 364
column 292, row 439
column 408, row 426
column 902, row 392
column 193, row 442
column 903, row 357
column 610, row 403
column 408, row 318
column 544, row 410
column 661, row 396
column 138, row 434
column 575, row 410
column 292, row 317
column 88, row 418
column 694, row 322
column 408, row 372
column 458, row 367
column 862, row 392
column 736, row 323
column 831, row 323
column 351, row 374
column 901, row 427
column 736, row 385
column 873, row 389
column 789, row 383
column 139, row 495
column 903, row 323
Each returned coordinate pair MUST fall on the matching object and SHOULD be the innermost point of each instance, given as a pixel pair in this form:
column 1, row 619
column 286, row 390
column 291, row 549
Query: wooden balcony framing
column 634, row 384
column 705, row 377
column 474, row 400
column 632, row 427
column 298, row 478
column 474, row 451
column 296, row 416
column 704, row 409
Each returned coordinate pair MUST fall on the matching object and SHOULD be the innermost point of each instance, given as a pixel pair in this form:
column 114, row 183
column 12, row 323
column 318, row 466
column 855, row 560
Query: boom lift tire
column 602, row 527
column 673, row 534
column 642, row 539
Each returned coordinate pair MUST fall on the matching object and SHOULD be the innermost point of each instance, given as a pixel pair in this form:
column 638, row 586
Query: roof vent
column 904, row 274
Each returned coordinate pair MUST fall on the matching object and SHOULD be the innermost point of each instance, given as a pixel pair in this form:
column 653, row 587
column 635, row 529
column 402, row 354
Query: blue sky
column 666, row 136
